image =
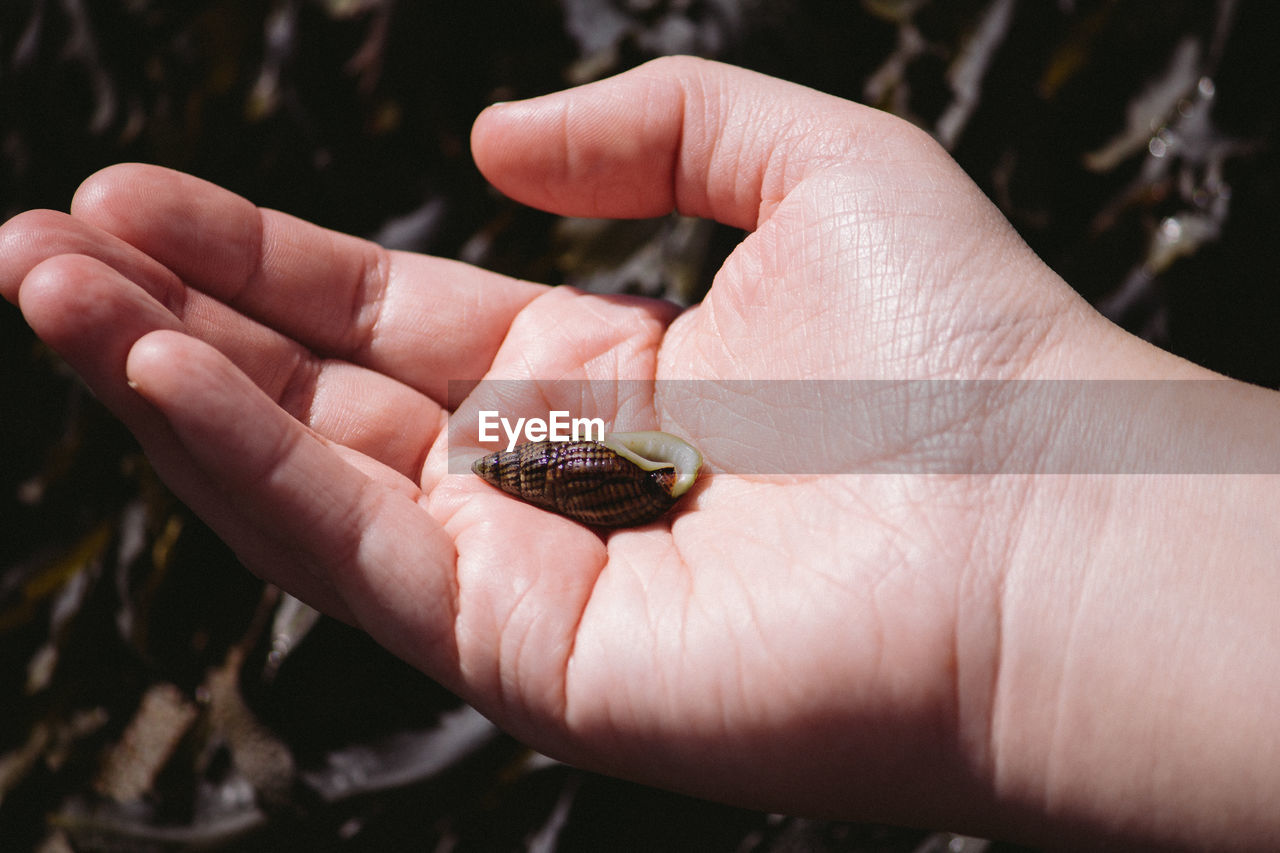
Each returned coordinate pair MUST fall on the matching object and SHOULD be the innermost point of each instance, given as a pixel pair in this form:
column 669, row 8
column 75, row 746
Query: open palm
column 291, row 384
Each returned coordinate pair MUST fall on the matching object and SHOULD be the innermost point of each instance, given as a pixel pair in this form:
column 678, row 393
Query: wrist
column 1134, row 687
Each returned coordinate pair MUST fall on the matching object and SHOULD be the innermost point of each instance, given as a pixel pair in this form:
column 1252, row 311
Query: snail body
column 626, row 480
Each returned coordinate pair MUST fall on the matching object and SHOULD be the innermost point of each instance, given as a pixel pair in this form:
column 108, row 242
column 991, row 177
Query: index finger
column 418, row 319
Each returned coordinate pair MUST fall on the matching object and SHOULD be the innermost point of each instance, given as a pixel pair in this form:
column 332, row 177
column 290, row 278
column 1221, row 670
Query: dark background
column 158, row 697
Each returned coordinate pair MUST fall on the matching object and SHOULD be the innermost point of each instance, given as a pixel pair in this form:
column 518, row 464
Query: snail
column 630, row 478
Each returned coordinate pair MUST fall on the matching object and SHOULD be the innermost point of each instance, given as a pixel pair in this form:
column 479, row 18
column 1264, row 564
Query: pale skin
column 1045, row 658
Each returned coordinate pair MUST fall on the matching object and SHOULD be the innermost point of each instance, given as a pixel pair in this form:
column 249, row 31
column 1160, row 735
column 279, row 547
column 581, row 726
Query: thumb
column 704, row 138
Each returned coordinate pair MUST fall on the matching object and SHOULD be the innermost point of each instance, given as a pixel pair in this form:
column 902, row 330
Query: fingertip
column 489, row 127
column 24, row 242
column 147, row 349
column 81, row 307
column 161, row 362
column 485, row 135
column 97, row 191
column 205, row 399
column 142, row 358
column 47, row 292
column 102, row 188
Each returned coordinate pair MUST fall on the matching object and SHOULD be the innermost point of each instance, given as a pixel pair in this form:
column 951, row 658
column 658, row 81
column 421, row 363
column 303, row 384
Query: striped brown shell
column 593, row 482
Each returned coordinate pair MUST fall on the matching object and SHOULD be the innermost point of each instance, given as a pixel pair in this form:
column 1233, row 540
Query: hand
column 906, row 648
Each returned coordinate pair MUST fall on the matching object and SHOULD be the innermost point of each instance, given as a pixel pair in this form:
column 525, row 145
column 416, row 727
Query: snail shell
column 630, row 478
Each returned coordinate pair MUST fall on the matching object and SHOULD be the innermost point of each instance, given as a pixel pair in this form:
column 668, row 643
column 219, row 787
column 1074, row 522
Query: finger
column 83, row 305
column 488, row 605
column 352, row 542
column 37, row 235
column 91, row 315
column 680, row 133
column 420, row 320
